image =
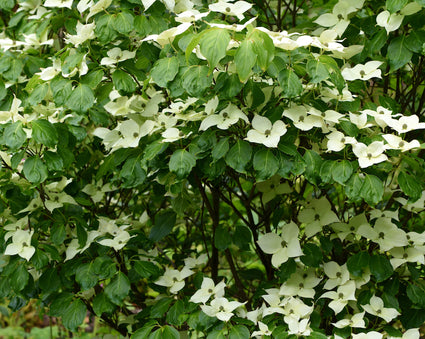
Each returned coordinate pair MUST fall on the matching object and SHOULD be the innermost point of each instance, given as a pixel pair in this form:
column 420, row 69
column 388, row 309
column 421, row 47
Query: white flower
column 405, row 124
column 49, row 73
column 21, row 244
column 118, row 242
column 223, row 120
column 301, row 283
column 264, row 330
column 397, row 143
column 194, row 262
column 337, row 141
column 116, row 55
column 341, row 297
column 207, row 290
column 74, row 246
column 299, row 328
column 264, row 133
column 300, row 118
column 98, row 7
column 376, row 307
column 343, row 229
column 338, row 275
column 282, row 247
column 295, row 309
column 368, row 335
column 402, row 255
column 356, row 320
column 58, row 3
column 384, row 233
column 84, row 33
column 362, row 72
column 317, row 213
column 174, row 279
column 221, row 308
column 371, row 154
column 83, row 5
column 389, row 21
column 237, row 9
column 173, row 134
column 412, row 333
column 273, row 187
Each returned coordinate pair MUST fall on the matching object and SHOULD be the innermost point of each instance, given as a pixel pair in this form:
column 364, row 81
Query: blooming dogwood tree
column 215, row 169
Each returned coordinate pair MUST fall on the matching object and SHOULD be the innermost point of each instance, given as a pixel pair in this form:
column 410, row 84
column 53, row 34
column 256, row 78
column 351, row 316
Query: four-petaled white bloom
column 371, row 154
column 376, row 307
column 368, row 335
column 264, row 330
column 338, row 275
column 264, row 132
column 207, row 290
column 356, row 320
column 363, row 72
column 174, row 279
column 221, row 308
column 58, row 3
column 397, row 143
column 318, row 213
column 337, row 141
column 237, row 9
column 272, row 187
column 21, row 244
column 405, row 123
column 340, row 298
column 282, row 247
column 224, row 119
column 116, row 55
column 84, row 33
column 389, row 21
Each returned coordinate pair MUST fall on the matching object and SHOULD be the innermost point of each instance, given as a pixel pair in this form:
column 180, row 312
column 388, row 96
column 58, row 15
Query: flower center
column 301, row 118
column 225, row 115
column 352, row 228
column 340, row 17
column 267, row 132
column 362, row 73
column 228, row 9
column 221, row 308
column 369, row 155
column 210, row 290
column 181, row 134
column 405, row 255
column 135, row 135
column 341, row 295
column 284, row 243
column 404, row 126
column 317, row 217
column 338, row 274
column 401, row 144
column 381, row 235
column 343, row 140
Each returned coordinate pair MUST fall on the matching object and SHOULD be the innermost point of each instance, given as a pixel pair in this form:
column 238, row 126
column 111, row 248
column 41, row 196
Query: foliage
column 215, row 169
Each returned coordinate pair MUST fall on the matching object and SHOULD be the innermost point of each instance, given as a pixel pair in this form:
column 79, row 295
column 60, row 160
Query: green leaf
column 290, row 83
column 165, row 70
column 227, row 85
column 104, row 30
column 412, row 318
column 239, row 332
column 342, row 171
column 86, row 276
column 398, row 54
column 123, row 81
column 410, row 185
column 71, row 61
column 395, row 5
column 196, row 80
column 313, row 164
column 242, row 236
column 312, row 255
column 265, row 163
column 57, row 233
column 7, row 5
column 81, row 99
column 263, row 48
column 380, row 267
column 102, row 304
column 160, row 307
column 143, row 332
column 170, row 332
column 222, row 238
column 15, row 69
column 317, row 71
column 35, row 170
column 245, row 59
column 3, row 91
column 38, row 94
column 53, row 161
column 146, row 269
column 326, row 171
column 19, row 278
column 239, row 156
column 358, row 263
column 181, row 163
column 220, row 149
column 372, row 189
column 50, row 281
column 213, row 46
column 123, row 22
column 61, row 89
column 74, row 315
column 132, row 173
column 92, row 78
column 14, row 135
column 175, row 312
column 164, row 224
column 118, row 288
column 44, row 132
column 416, row 293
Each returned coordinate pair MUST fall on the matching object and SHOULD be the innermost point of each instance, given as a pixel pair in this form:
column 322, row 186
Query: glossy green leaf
column 372, row 189
column 342, row 171
column 358, row 263
column 220, row 149
column 102, row 304
column 123, row 22
column 245, row 59
column 164, row 224
column 14, row 135
column 38, row 94
column 213, row 46
column 290, row 83
column 81, row 99
column 44, row 132
column 74, row 314
column 398, row 53
column 395, row 5
column 118, row 288
column 123, row 81
column 196, row 80
column 265, row 163
column 416, row 294
column 410, row 185
column 239, row 155
column 317, row 71
column 86, row 276
column 165, row 70
column 181, row 163
column 222, row 239
column 35, row 170
column 380, row 267
column 239, row 332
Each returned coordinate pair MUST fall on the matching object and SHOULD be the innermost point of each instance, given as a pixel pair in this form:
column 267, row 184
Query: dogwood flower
column 362, row 72
column 174, row 279
column 295, row 309
column 389, row 21
column 58, row 3
column 207, row 290
column 299, row 328
column 405, row 124
column 356, row 320
column 116, row 55
column 412, row 333
column 274, row 301
column 84, row 33
column 264, row 132
column 21, row 244
column 397, row 143
column 337, row 141
column 402, row 255
column 301, row 283
column 273, row 187
column 384, row 233
column 344, row 230
column 282, row 247
column 315, row 215
column 300, row 118
column 264, row 330
column 338, row 275
column 221, row 308
column 371, row 154
column 368, row 335
column 98, row 7
column 118, row 242
column 341, row 297
column 224, row 119
column 237, row 9
column 376, row 307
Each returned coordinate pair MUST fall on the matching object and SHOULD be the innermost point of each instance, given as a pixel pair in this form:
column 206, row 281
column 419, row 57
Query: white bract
column 174, row 279
column 363, row 72
column 370, row 154
column 236, row 9
column 224, row 119
column 221, row 308
column 376, row 307
column 264, row 132
column 389, row 21
column 21, row 244
column 207, row 290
